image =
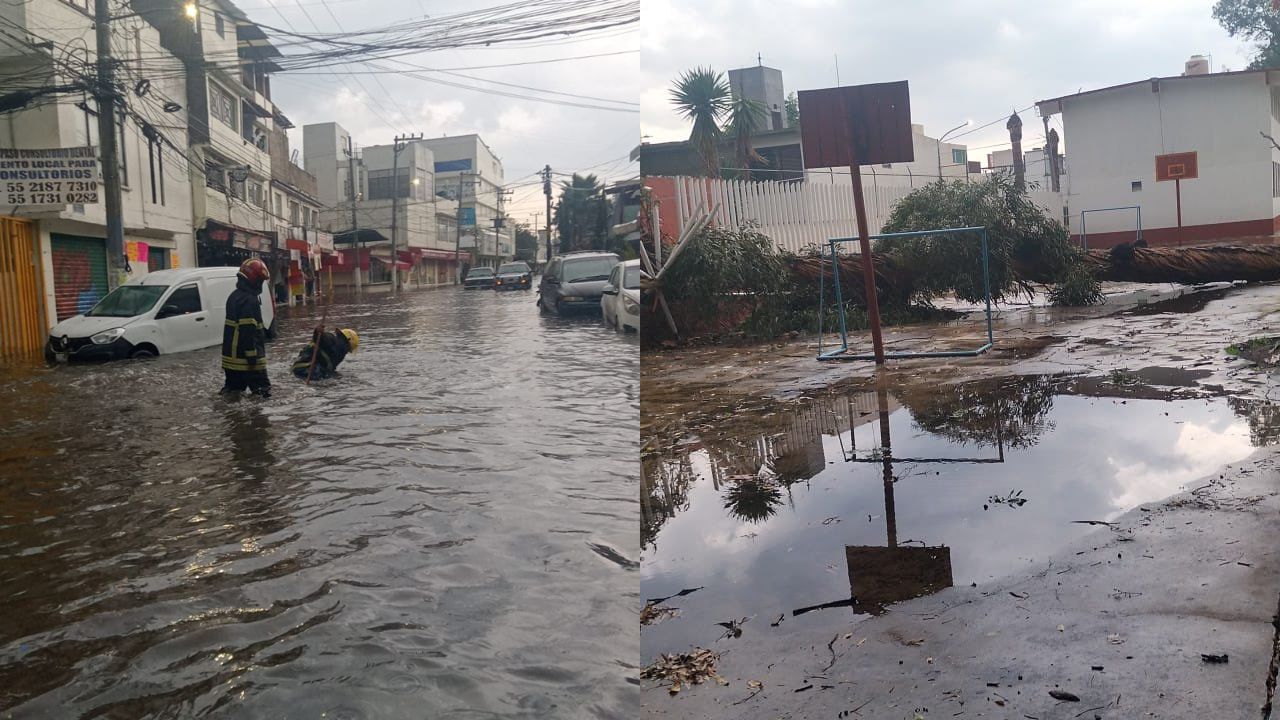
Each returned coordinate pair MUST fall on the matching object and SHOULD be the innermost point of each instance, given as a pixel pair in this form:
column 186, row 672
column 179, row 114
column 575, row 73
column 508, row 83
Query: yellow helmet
column 352, row 338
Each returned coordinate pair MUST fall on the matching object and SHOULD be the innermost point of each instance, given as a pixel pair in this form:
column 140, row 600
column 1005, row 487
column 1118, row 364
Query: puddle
column 945, row 486
column 1187, row 303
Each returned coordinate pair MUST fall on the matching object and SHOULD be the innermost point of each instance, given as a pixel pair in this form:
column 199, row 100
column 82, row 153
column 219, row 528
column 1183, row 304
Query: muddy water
column 447, row 530
column 831, row 514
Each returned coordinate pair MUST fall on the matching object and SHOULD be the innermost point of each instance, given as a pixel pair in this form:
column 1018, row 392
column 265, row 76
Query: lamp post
column 966, row 124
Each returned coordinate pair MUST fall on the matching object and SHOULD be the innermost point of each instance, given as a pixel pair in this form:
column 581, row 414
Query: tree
column 1255, row 20
column 526, row 243
column 702, row 96
column 745, row 118
column 793, row 111
column 582, row 215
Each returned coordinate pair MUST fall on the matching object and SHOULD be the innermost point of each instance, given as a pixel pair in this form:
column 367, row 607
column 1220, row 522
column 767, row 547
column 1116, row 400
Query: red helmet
column 255, row 271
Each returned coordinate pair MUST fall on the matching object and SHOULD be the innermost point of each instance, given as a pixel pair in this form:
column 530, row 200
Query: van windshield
column 632, row 279
column 128, row 301
column 588, row 269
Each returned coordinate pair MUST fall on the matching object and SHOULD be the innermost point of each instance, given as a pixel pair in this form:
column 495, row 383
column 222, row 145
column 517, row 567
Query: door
column 22, row 315
column 547, row 288
column 184, row 322
column 157, row 259
column 611, row 301
column 79, row 273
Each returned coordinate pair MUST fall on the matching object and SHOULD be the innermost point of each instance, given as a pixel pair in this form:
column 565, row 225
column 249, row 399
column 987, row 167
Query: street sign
column 862, row 124
column 52, row 176
column 1177, row 166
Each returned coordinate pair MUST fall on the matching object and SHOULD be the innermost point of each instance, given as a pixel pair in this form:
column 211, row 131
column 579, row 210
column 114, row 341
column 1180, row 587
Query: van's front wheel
column 145, row 352
column 271, row 331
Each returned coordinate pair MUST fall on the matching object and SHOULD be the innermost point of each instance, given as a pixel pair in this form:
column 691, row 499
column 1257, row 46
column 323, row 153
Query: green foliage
column 1077, row 287
column 793, row 111
column 1252, row 20
column 702, row 96
column 582, row 215
column 1020, row 235
column 745, row 117
column 526, row 238
column 719, row 265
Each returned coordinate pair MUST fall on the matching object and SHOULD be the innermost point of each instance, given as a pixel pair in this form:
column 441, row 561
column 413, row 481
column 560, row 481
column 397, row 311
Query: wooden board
column 1177, row 166
column 863, row 124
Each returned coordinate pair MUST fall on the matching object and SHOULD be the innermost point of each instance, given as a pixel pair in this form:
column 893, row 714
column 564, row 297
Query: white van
column 166, row 311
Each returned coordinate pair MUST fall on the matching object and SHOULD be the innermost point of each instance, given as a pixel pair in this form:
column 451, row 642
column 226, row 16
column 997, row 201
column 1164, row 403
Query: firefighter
column 244, row 348
column 334, row 347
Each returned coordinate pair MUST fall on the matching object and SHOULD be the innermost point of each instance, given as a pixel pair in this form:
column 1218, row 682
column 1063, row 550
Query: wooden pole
column 315, row 351
column 868, row 263
column 1177, row 191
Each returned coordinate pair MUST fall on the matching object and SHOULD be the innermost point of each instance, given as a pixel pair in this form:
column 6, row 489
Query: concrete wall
column 1113, row 137
column 764, row 85
column 324, row 148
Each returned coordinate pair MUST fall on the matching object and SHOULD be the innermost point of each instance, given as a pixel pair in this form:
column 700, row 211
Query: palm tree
column 745, row 118
column 702, row 96
column 582, row 215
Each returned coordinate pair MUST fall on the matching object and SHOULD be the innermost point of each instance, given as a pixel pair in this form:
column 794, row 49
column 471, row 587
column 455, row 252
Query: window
column 887, row 166
column 184, row 301
column 236, row 187
column 219, row 26
column 215, row 176
column 222, row 106
column 959, row 156
column 295, row 213
column 1275, row 179
column 1135, row 186
column 254, row 192
column 380, row 184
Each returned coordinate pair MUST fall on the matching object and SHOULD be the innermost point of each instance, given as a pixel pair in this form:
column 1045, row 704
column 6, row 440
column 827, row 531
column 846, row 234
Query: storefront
column 440, row 267
column 219, row 244
column 79, row 273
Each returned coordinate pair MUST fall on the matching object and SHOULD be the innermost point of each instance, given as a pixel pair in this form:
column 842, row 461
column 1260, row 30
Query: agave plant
column 703, row 97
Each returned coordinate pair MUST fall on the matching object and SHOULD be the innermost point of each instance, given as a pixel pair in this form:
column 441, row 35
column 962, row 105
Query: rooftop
column 1054, row 105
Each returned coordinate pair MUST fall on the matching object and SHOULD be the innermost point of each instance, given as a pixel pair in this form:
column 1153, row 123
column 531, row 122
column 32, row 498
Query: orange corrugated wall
column 22, row 313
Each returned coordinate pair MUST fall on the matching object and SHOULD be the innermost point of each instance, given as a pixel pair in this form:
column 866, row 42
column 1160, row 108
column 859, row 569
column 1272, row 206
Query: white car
column 621, row 300
column 166, row 311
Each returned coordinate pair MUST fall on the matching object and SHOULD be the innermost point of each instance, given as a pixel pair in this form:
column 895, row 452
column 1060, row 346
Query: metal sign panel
column 1177, row 166
column 866, row 124
column 52, row 176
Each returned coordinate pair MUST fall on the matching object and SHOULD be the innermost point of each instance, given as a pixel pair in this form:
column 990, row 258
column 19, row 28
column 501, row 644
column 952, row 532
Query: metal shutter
column 79, row 273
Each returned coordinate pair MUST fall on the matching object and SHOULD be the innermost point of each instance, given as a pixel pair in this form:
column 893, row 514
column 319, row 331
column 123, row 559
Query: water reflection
column 868, row 499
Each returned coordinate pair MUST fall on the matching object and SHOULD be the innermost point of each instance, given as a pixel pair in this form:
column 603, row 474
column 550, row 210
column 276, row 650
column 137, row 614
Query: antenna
column 759, row 59
column 837, row 56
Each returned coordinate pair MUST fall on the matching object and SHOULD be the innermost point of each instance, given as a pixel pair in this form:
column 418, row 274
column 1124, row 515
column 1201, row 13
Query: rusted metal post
column 868, row 263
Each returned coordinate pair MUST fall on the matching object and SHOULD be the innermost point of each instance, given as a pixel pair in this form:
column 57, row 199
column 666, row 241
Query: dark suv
column 574, row 282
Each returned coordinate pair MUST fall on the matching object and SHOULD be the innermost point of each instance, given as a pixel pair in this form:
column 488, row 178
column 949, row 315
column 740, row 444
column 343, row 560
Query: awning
column 449, row 255
column 244, row 238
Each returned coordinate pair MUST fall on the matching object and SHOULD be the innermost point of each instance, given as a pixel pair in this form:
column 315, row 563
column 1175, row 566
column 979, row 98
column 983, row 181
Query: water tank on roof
column 1197, row 65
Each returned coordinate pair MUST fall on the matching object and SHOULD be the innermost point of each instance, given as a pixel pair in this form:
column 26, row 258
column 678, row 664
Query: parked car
column 478, row 277
column 514, row 276
column 167, row 311
column 620, row 303
column 574, row 282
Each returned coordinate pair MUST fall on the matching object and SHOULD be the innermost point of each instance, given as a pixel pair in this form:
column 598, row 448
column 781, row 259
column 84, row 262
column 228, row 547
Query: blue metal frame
column 843, row 352
column 1084, row 234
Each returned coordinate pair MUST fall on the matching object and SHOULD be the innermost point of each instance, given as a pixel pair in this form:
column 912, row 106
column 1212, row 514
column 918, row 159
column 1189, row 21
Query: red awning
column 299, row 245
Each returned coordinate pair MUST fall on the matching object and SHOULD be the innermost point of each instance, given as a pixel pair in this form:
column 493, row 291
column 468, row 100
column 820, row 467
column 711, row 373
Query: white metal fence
column 797, row 214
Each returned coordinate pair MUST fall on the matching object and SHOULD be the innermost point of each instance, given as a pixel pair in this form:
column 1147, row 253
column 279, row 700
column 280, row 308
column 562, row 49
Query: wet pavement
column 814, row 516
column 446, row 530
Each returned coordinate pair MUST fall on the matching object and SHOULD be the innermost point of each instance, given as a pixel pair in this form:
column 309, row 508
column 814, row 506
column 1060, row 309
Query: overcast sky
column 526, row 135
column 972, row 59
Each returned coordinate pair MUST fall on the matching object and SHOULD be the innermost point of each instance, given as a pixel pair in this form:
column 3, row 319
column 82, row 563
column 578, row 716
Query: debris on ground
column 1064, row 696
column 1214, row 659
column 733, row 628
column 680, row 669
column 655, row 613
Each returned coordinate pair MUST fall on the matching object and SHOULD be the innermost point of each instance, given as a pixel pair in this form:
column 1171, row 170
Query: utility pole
column 500, row 223
column 401, row 142
column 355, row 226
column 117, row 260
column 546, row 190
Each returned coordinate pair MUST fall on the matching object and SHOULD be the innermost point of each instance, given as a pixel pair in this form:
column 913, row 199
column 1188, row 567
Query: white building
column 465, row 166
column 424, row 230
column 1114, row 134
column 67, row 244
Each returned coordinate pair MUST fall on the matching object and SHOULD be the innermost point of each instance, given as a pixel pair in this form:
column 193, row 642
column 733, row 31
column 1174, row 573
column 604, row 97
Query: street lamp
column 966, row 124
column 191, row 10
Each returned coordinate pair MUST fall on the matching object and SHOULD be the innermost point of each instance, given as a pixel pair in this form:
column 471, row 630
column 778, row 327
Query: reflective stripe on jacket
column 243, row 335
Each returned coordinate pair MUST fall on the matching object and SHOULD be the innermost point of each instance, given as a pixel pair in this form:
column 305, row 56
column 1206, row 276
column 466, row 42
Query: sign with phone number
column 50, row 176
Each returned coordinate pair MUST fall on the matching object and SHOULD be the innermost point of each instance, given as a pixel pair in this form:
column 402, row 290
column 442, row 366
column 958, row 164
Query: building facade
column 53, row 258
column 1113, row 136
column 469, row 175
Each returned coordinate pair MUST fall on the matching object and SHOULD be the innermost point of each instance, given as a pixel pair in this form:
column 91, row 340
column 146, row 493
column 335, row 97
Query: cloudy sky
column 525, row 134
column 971, row 59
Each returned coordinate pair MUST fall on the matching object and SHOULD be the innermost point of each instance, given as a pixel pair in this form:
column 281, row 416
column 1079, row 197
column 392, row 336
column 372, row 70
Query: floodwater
column 850, row 504
column 447, row 530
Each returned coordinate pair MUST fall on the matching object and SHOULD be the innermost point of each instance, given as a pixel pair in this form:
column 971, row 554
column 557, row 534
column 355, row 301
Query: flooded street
column 813, row 516
column 447, row 530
